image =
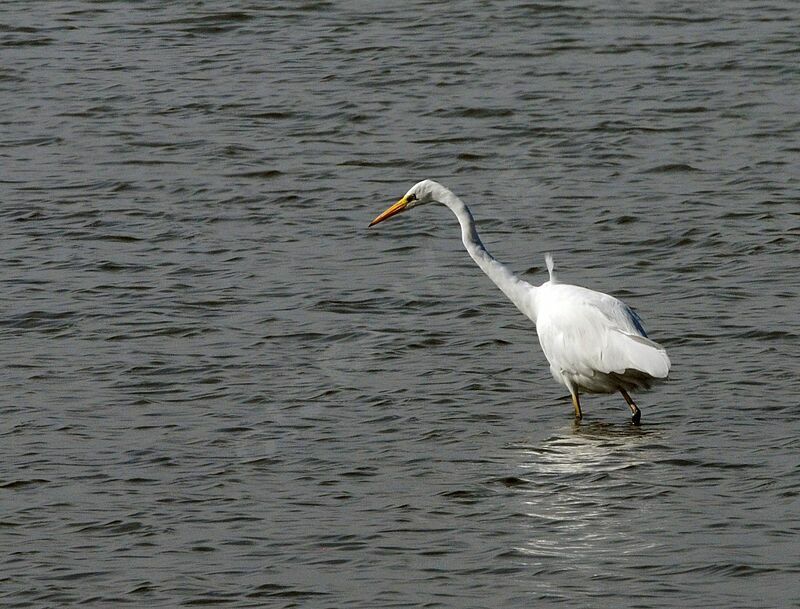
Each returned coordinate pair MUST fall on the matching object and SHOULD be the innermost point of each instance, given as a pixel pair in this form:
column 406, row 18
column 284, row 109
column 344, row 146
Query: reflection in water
column 582, row 497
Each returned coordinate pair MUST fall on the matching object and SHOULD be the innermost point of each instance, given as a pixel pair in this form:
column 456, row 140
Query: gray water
column 219, row 388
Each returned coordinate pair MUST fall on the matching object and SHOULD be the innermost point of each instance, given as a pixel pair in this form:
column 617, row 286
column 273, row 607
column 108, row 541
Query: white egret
column 594, row 342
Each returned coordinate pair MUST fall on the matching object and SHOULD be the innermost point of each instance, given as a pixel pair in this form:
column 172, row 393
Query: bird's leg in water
column 636, row 414
column 577, row 403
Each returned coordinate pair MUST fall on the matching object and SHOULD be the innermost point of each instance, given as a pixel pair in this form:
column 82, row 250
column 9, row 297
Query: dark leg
column 577, row 403
column 636, row 414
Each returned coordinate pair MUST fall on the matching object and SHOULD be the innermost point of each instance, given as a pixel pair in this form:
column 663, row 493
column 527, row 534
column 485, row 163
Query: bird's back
column 595, row 341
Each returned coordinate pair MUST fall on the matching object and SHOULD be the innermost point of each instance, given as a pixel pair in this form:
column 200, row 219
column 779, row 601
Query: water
column 220, row 388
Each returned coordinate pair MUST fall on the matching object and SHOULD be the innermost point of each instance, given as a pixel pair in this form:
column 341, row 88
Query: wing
column 585, row 332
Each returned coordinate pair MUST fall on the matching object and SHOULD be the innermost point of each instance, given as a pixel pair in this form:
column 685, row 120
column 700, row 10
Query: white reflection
column 585, row 489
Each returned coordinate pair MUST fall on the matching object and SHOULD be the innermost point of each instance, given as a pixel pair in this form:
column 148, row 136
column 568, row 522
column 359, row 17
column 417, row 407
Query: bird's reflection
column 582, row 494
column 597, row 446
column 599, row 430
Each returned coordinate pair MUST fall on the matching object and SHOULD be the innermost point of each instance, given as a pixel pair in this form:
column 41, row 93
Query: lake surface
column 219, row 388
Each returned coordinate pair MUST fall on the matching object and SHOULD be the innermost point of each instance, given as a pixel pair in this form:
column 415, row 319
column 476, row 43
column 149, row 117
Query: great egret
column 594, row 342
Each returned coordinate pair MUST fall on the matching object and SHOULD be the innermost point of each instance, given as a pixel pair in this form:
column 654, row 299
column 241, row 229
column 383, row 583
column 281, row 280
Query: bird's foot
column 636, row 417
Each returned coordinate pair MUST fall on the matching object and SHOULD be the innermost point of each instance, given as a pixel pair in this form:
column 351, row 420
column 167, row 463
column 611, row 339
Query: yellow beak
column 393, row 210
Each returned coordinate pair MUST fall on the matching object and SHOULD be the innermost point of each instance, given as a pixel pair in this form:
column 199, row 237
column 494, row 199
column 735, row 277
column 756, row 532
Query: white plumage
column 594, row 342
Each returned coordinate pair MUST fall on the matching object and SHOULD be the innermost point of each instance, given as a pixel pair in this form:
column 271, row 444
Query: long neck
column 518, row 291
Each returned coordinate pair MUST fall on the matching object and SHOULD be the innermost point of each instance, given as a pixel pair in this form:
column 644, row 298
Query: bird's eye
column 411, row 197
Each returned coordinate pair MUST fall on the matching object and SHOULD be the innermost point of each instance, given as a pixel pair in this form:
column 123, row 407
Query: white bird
column 594, row 342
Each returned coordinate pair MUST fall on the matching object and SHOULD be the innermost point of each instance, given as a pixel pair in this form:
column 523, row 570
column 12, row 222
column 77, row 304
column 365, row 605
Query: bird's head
column 419, row 194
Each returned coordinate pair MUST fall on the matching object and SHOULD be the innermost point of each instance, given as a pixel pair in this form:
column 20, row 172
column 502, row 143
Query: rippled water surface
column 218, row 387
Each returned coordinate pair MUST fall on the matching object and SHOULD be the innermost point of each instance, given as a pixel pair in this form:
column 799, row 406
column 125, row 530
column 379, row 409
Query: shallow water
column 220, row 388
